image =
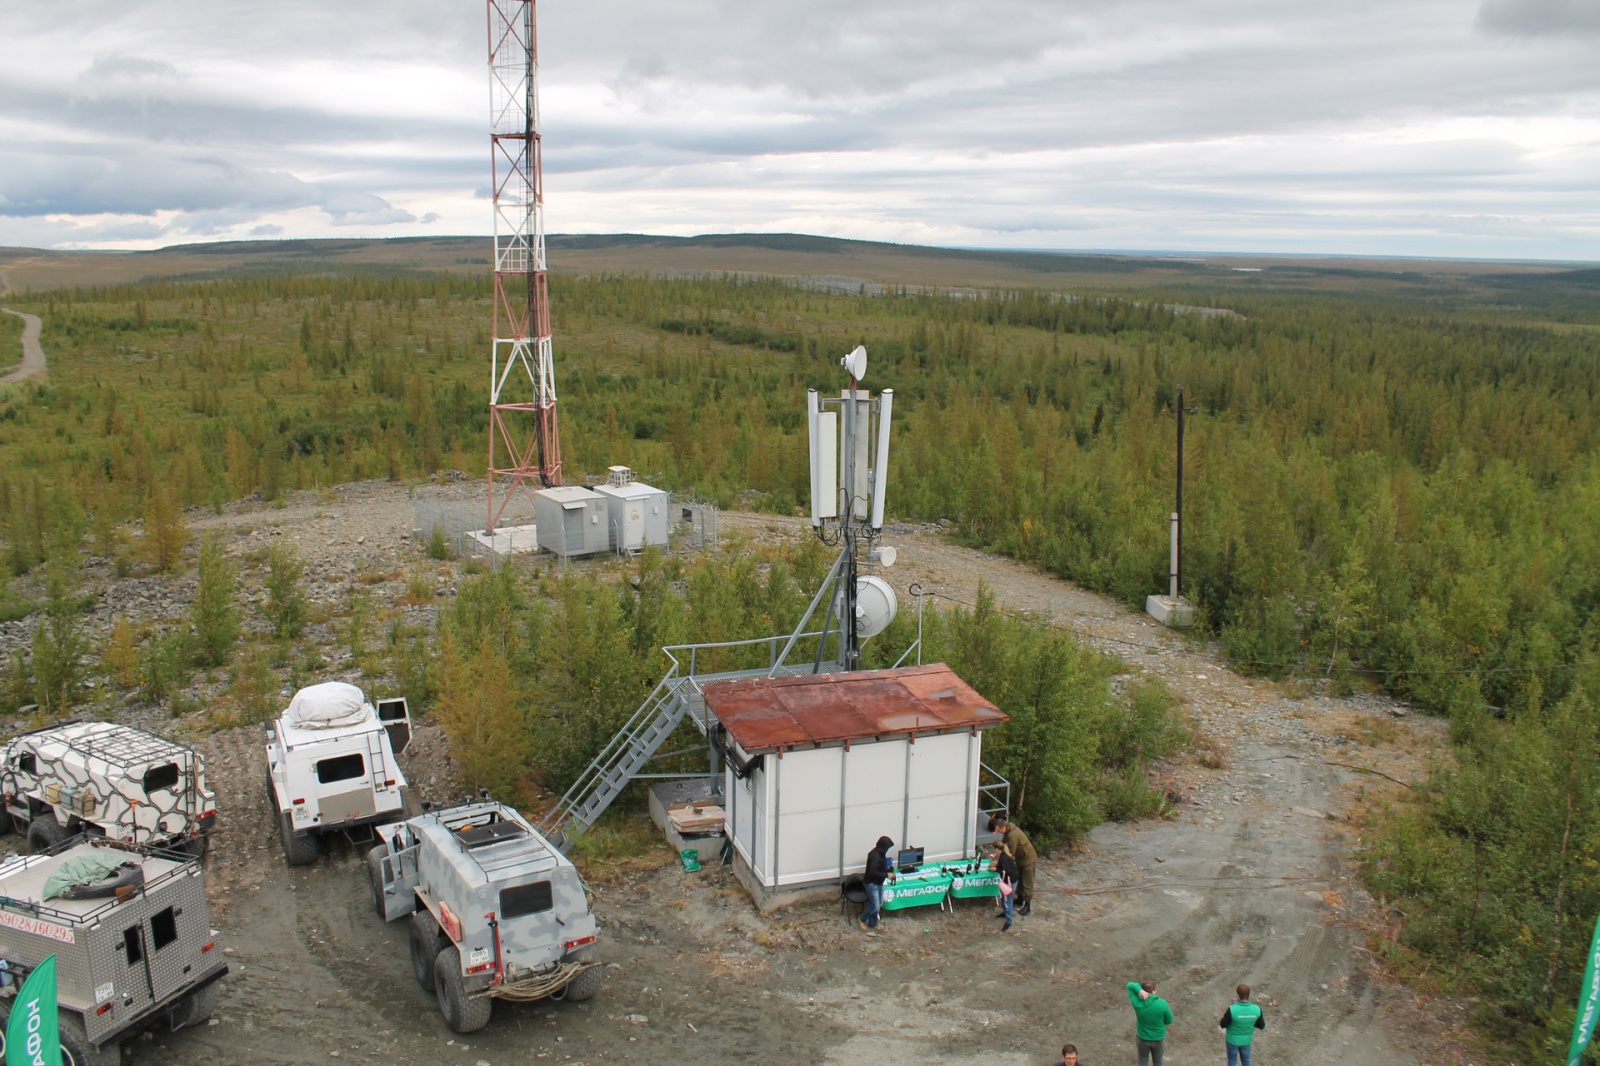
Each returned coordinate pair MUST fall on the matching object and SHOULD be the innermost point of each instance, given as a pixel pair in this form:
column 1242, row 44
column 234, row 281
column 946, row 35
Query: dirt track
column 33, row 363
column 1247, row 882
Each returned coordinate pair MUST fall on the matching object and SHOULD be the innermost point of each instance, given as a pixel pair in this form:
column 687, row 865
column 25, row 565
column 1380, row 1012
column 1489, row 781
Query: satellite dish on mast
column 856, row 362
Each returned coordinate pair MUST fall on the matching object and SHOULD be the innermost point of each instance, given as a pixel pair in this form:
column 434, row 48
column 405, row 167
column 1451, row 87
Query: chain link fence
column 458, row 524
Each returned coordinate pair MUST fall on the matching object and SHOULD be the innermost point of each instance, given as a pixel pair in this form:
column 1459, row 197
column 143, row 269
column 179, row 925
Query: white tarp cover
column 328, row 706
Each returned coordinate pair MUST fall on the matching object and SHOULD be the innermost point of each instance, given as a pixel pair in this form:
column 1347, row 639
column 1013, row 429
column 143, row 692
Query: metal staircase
column 678, row 694
column 635, row 744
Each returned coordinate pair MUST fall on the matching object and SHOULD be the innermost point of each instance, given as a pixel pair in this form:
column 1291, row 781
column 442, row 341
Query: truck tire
column 44, row 833
column 297, row 850
column 587, row 983
column 76, row 1049
column 461, row 1014
column 375, row 879
column 427, row 940
column 196, row 1007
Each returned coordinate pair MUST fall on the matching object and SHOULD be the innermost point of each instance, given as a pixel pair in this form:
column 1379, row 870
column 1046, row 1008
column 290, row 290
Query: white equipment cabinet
column 820, row 766
column 571, row 520
column 638, row 514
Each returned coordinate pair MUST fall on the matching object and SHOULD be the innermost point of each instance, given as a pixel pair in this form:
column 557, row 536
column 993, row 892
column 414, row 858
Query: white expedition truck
column 106, row 780
column 331, row 766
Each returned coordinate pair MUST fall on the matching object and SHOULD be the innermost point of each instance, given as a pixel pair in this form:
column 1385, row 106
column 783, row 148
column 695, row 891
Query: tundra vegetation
column 1389, row 485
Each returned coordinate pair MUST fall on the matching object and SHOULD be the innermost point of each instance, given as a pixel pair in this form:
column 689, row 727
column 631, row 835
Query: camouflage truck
column 131, row 934
column 496, row 911
column 105, row 780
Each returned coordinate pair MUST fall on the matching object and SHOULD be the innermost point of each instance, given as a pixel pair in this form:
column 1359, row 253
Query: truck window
column 525, row 899
column 133, row 945
column 27, row 763
column 163, row 928
column 341, row 768
column 159, row 777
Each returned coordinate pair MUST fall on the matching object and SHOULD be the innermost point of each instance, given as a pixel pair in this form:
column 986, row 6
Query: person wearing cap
column 876, row 873
column 1021, row 849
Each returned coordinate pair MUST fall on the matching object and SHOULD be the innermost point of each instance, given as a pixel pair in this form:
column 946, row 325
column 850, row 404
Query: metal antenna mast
column 522, row 384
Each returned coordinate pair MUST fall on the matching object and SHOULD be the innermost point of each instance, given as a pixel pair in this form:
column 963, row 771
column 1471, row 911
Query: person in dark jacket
column 1009, row 878
column 877, row 872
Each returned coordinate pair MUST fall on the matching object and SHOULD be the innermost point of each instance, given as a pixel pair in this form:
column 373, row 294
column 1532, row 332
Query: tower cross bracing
column 524, row 437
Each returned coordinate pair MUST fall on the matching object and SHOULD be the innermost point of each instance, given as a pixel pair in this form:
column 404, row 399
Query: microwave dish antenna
column 875, row 606
column 855, row 364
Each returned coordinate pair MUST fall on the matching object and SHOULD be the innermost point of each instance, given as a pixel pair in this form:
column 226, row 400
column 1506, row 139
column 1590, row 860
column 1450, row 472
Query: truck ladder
column 635, row 744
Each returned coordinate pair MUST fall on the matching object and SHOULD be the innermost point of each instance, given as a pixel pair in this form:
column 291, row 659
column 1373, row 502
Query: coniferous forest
column 1382, row 491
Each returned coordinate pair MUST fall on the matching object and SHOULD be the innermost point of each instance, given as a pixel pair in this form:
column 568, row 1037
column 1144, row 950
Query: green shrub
column 164, row 665
column 214, row 616
column 285, row 608
column 438, row 547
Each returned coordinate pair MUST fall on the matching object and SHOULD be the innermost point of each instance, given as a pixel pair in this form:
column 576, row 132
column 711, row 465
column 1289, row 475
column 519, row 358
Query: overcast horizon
column 1439, row 129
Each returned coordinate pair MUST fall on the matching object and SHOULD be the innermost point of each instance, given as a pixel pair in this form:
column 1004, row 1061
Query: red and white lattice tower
column 524, row 444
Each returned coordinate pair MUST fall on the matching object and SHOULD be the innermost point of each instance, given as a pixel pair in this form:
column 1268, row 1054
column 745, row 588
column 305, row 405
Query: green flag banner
column 1588, row 1002
column 32, row 1035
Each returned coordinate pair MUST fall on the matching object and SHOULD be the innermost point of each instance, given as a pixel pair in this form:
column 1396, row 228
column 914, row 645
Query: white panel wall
column 785, row 816
column 740, row 798
column 808, row 822
column 761, row 850
column 939, row 795
column 875, row 798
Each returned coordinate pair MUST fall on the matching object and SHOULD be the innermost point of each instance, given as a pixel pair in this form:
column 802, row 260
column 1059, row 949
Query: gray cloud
column 1194, row 123
column 1541, row 17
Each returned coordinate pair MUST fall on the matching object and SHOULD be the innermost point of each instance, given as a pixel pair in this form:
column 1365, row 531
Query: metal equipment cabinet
column 571, row 520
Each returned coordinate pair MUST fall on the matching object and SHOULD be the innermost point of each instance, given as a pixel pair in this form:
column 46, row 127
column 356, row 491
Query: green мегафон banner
column 33, row 1037
column 1588, row 1002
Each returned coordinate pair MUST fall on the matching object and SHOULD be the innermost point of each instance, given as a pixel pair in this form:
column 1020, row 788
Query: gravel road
column 33, row 365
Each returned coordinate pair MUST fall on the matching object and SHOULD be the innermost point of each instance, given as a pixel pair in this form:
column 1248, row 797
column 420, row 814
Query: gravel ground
column 1249, row 880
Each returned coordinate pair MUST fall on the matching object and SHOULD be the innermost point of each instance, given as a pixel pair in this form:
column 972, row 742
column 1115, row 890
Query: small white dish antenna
column 856, row 362
column 885, row 555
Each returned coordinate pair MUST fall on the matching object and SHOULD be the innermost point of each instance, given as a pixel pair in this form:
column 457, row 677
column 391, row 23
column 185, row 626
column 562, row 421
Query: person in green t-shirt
column 1240, row 1022
column 1153, row 1016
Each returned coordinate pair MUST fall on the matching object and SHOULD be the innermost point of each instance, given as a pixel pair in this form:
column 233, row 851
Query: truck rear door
column 396, row 719
column 344, row 785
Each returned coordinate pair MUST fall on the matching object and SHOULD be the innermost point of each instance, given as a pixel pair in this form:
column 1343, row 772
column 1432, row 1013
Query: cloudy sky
column 1465, row 128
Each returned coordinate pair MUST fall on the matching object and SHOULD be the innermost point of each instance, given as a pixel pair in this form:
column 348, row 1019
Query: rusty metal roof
column 769, row 713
